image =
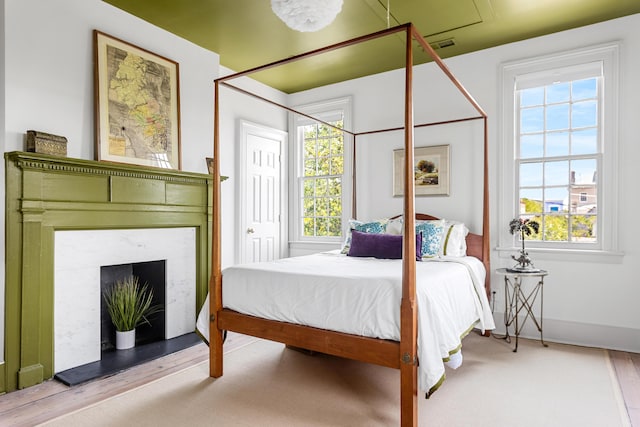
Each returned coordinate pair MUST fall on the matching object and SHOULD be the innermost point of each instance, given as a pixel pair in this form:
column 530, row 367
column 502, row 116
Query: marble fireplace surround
column 77, row 294
column 48, row 197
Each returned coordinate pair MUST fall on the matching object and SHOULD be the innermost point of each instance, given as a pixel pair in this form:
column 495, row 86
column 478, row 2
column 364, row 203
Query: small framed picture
column 431, row 171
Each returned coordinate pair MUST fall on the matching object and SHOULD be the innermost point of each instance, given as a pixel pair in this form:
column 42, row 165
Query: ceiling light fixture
column 306, row 15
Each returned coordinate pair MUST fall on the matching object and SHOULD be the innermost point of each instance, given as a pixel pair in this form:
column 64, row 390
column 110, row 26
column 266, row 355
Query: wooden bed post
column 354, row 198
column 486, row 241
column 408, row 312
column 215, row 281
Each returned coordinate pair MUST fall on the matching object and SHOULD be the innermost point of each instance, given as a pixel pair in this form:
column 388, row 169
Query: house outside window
column 583, row 198
column 322, row 167
column 559, row 148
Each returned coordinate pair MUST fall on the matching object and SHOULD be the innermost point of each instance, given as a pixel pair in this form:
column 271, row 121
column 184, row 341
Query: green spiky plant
column 129, row 304
column 526, row 227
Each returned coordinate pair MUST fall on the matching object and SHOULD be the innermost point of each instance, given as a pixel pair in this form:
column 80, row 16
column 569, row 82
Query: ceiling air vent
column 441, row 44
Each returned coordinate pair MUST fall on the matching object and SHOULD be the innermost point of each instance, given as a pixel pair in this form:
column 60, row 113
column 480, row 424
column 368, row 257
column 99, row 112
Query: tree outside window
column 323, row 160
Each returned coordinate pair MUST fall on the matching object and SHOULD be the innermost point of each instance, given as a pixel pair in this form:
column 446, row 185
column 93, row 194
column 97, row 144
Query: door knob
column 250, row 230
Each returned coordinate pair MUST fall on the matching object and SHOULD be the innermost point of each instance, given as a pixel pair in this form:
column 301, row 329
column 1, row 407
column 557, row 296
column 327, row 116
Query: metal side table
column 517, row 300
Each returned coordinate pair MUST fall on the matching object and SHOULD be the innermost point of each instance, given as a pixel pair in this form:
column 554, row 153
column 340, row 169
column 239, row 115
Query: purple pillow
column 383, row 246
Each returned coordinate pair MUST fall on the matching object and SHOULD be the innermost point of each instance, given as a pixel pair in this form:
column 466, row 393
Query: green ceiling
column 246, row 33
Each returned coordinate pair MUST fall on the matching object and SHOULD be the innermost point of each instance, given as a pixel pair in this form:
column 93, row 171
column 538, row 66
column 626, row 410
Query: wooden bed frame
column 401, row 355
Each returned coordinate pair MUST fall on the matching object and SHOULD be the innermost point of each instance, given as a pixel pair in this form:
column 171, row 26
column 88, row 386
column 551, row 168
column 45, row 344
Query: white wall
column 46, row 84
column 49, row 73
column 585, row 301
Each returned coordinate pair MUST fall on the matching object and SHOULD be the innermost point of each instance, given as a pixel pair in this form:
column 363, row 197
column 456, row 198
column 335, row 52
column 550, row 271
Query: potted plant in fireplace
column 129, row 304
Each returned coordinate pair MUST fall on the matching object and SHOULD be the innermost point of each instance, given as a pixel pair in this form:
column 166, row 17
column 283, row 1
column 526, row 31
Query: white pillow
column 454, row 242
column 394, row 226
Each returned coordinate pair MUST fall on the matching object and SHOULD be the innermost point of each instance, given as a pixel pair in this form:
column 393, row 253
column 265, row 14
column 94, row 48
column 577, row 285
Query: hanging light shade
column 306, row 15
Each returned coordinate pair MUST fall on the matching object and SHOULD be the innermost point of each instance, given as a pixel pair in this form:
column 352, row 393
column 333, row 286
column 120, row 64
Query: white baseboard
column 575, row 333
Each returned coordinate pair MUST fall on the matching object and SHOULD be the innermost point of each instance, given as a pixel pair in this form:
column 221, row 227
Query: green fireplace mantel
column 48, row 193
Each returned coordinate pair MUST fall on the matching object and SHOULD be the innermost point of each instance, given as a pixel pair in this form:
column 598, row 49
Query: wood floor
column 51, row 399
column 627, row 367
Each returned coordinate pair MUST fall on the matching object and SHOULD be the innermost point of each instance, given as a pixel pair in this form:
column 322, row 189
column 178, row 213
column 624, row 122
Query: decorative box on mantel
column 46, row 143
column 46, row 194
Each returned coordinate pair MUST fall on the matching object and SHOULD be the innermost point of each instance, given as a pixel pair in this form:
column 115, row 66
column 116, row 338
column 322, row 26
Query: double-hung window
column 559, row 148
column 322, row 167
column 558, row 151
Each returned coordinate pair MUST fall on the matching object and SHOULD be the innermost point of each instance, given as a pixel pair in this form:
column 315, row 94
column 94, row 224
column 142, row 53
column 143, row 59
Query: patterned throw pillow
column 375, row 227
column 431, row 237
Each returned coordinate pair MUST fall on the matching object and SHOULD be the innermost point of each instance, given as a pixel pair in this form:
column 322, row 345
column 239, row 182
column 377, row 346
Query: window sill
column 575, row 255
column 302, row 244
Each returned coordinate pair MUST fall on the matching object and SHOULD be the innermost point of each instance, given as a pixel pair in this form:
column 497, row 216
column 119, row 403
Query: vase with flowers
column 524, row 227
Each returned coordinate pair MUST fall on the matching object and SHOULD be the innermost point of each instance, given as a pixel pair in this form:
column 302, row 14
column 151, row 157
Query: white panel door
column 262, row 195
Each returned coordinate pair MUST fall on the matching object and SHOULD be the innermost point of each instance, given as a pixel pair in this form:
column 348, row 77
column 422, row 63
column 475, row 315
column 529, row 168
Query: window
column 558, row 153
column 559, row 148
column 322, row 167
column 321, row 181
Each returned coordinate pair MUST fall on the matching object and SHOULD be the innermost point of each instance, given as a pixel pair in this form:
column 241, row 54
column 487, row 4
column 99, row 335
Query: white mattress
column 362, row 296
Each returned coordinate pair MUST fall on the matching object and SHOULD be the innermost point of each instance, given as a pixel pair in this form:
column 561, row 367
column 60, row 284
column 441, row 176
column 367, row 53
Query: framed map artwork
column 137, row 103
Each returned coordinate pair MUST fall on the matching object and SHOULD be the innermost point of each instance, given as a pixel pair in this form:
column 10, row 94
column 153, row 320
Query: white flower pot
column 126, row 339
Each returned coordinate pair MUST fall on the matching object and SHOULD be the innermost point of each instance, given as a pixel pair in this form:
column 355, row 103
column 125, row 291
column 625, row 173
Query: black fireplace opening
column 151, row 273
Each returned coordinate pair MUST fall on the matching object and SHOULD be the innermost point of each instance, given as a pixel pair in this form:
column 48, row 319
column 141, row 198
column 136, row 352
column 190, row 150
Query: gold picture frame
column 431, row 171
column 137, row 105
column 209, row 165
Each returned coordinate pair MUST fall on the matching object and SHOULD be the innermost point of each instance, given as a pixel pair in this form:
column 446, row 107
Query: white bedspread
column 362, row 296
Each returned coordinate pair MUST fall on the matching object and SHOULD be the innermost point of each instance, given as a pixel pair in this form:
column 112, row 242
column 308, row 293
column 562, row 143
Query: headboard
column 474, row 241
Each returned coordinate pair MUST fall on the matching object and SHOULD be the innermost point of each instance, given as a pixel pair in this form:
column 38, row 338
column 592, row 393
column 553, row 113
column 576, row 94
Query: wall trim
column 577, row 333
column 24, row 161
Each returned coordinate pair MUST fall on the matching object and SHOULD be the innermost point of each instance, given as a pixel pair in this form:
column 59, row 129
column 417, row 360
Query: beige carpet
column 267, row 385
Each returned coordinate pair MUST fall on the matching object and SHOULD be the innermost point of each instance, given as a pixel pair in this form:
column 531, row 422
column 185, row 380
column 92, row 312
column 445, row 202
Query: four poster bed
column 393, row 288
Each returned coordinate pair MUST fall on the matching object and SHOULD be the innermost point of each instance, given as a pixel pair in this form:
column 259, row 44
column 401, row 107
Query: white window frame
column 296, row 170
column 544, row 68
